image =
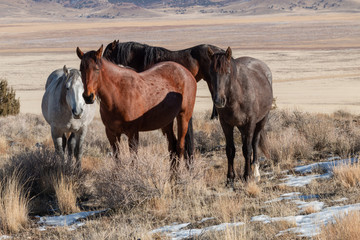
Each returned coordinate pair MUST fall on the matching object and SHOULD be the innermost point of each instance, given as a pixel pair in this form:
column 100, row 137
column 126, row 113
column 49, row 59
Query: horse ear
column 113, row 45
column 99, row 52
column 210, row 52
column 66, row 71
column 79, row 53
column 228, row 53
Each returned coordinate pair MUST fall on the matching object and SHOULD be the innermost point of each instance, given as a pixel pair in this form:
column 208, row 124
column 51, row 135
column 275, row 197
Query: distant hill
column 153, row 8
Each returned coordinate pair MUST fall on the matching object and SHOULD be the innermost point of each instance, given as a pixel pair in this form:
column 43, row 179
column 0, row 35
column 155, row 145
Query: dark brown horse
column 131, row 102
column 141, row 57
column 243, row 97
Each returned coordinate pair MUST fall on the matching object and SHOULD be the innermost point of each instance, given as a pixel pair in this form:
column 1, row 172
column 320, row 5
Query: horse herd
column 153, row 87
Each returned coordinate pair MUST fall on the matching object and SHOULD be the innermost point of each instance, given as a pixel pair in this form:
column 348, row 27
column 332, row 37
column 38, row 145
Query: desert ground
column 314, row 59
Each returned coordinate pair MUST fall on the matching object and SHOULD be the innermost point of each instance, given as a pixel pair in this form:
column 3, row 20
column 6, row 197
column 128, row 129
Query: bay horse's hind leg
column 255, row 145
column 189, row 145
column 169, row 132
column 183, row 124
column 230, row 151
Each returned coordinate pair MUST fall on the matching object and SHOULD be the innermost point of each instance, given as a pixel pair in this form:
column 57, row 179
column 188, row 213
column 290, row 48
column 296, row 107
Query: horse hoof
column 230, row 183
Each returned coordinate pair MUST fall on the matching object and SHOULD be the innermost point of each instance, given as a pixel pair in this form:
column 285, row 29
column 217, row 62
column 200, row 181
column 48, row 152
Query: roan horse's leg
column 255, row 145
column 247, row 134
column 230, row 151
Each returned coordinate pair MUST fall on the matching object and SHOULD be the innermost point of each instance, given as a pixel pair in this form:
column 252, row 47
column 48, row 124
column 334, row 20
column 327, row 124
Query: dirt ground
column 315, row 60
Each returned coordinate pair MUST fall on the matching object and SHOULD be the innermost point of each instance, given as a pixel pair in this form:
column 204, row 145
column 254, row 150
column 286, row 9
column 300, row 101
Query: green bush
column 9, row 105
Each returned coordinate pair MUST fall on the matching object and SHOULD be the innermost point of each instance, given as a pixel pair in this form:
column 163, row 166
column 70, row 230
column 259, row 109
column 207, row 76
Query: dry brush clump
column 23, row 133
column 14, row 203
column 47, row 176
column 297, row 135
column 345, row 227
column 348, row 175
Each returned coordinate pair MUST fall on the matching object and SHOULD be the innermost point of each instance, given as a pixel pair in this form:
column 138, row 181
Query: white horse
column 65, row 110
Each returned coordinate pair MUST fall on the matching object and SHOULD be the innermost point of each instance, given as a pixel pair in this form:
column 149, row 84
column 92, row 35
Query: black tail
column 189, row 145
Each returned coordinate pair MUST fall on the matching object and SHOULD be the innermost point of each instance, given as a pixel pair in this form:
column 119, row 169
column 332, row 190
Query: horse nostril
column 88, row 99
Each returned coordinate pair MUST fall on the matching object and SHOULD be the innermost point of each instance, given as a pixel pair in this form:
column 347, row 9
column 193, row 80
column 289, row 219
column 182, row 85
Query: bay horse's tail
column 263, row 144
column 189, row 145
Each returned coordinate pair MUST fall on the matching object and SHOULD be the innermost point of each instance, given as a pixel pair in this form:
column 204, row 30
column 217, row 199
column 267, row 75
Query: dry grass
column 252, row 189
column 4, row 146
column 348, row 175
column 138, row 190
column 66, row 194
column 344, row 228
column 14, row 204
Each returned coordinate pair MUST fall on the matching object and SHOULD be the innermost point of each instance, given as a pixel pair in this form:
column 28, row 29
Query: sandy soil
column 315, row 59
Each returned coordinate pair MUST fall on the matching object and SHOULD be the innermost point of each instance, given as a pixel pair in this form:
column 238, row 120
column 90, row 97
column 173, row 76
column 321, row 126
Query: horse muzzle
column 89, row 99
column 77, row 114
column 219, row 102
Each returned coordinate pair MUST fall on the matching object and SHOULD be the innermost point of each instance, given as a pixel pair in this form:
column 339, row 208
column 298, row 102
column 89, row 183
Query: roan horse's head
column 90, row 72
column 220, row 71
column 74, row 90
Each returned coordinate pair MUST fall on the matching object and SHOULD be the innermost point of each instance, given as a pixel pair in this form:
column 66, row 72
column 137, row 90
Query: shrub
column 14, row 203
column 345, row 228
column 9, row 105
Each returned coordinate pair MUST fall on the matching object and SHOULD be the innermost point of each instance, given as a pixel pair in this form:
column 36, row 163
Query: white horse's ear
column 66, row 71
column 228, row 53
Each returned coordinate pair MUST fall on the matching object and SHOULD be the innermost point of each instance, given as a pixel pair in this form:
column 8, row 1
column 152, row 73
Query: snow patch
column 309, row 225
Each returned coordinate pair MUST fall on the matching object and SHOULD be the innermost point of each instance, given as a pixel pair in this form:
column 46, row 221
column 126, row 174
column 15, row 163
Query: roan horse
column 243, row 97
column 65, row 110
column 141, row 57
column 131, row 102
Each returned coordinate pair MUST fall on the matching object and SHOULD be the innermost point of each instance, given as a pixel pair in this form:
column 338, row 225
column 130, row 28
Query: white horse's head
column 74, row 91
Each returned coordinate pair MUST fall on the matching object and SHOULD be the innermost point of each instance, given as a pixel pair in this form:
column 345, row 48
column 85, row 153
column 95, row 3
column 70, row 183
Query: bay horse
column 64, row 108
column 141, row 57
column 131, row 102
column 243, row 97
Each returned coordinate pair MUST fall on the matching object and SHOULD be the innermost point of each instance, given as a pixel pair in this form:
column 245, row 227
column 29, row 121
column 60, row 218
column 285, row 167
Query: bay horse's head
column 74, row 90
column 111, row 51
column 220, row 72
column 90, row 68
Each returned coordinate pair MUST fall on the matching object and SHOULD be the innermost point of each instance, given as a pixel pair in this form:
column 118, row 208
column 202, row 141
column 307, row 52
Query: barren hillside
column 106, row 9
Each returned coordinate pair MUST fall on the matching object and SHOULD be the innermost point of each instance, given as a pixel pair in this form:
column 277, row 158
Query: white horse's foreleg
column 78, row 151
column 71, row 145
column 59, row 141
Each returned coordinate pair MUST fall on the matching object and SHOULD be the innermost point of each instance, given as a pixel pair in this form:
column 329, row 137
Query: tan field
column 315, row 60
column 316, row 68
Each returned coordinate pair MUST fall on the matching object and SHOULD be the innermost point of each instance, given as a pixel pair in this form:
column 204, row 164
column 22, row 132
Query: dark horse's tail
column 263, row 144
column 189, row 145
